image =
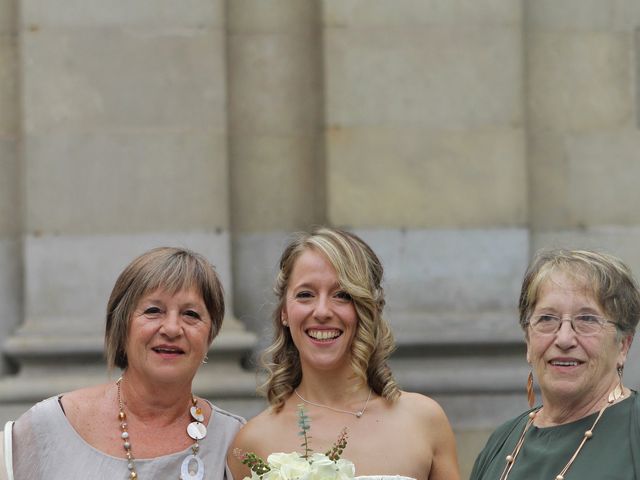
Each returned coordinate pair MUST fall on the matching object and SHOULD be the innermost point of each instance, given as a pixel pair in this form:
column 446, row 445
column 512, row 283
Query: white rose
column 273, row 474
column 322, row 468
column 320, row 458
column 287, row 466
column 346, row 469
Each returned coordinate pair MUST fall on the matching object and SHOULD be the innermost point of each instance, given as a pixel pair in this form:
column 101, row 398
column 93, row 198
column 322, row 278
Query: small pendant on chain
column 192, row 468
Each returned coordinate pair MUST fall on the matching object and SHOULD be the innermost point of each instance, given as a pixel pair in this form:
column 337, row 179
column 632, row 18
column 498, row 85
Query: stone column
column 10, row 179
column 276, row 157
column 124, row 144
column 426, row 160
column 582, row 111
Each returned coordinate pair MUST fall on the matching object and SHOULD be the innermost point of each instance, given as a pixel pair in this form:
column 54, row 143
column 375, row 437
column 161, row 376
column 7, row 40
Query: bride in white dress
column 330, row 352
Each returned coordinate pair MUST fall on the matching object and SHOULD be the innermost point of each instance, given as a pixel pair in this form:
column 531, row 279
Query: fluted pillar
column 124, row 148
column 275, row 139
column 10, row 177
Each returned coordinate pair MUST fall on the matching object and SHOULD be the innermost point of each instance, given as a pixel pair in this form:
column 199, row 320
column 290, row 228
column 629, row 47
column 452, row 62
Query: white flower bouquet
column 301, row 466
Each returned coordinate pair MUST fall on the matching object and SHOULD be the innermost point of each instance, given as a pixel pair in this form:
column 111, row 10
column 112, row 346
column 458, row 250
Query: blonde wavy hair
column 360, row 274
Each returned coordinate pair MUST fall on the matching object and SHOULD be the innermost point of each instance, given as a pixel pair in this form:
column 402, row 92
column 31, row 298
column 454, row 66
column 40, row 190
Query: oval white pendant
column 197, row 430
column 196, row 413
column 192, row 468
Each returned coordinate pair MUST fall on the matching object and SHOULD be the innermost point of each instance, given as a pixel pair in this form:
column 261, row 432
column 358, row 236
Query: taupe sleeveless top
column 46, row 446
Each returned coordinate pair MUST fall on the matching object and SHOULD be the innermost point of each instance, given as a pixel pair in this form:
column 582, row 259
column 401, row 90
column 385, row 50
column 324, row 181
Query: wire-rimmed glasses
column 584, row 324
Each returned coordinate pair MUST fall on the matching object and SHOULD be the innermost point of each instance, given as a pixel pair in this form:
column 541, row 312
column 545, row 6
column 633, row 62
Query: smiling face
column 571, row 368
column 320, row 314
column 168, row 336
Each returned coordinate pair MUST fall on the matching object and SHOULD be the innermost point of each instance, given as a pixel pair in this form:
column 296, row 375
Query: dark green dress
column 613, row 453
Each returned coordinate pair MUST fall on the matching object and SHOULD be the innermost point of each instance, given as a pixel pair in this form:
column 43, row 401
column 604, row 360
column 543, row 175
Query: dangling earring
column 619, row 390
column 205, row 359
column 531, row 395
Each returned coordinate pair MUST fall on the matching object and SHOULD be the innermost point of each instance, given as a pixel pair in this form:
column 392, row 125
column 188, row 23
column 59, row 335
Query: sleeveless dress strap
column 7, row 471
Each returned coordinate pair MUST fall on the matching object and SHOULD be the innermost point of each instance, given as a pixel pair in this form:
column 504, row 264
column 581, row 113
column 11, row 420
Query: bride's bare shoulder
column 260, row 435
column 420, row 407
column 264, row 425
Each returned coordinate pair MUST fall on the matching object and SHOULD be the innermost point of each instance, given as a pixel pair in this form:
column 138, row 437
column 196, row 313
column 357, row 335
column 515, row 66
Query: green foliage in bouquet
column 304, row 423
column 255, row 463
column 260, row 467
column 337, row 448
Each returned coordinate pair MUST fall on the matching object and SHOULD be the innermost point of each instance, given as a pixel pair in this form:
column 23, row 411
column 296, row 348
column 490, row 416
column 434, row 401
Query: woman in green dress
column 579, row 311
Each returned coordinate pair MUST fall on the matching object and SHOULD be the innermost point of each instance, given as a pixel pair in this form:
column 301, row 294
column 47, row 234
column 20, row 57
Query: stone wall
column 122, row 127
column 455, row 137
column 10, row 192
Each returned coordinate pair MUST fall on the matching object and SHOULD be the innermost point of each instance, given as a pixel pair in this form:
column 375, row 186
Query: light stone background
column 455, row 137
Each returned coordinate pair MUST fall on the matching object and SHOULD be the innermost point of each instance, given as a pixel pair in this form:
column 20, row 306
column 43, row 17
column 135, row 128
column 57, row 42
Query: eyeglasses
column 585, row 324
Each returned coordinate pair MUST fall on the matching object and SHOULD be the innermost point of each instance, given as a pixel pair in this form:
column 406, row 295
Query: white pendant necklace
column 192, row 467
column 357, row 414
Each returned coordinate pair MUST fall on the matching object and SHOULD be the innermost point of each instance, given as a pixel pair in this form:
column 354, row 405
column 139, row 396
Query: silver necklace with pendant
column 357, row 414
column 192, row 467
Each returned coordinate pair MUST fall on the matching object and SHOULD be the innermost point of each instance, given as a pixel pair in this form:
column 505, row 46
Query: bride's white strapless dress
column 382, row 477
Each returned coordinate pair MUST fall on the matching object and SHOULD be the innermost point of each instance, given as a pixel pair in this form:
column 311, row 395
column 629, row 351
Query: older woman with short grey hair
column 579, row 310
column 165, row 309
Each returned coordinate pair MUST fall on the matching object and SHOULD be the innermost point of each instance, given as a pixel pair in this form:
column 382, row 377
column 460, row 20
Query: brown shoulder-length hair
column 359, row 273
column 609, row 279
column 173, row 269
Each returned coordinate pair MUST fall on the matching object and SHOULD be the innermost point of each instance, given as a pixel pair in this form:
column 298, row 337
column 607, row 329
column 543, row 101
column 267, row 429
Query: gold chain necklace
column 192, row 466
column 357, row 414
column 616, row 394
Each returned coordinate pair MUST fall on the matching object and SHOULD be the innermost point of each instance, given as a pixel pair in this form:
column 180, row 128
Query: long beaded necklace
column 357, row 414
column 616, row 394
column 192, row 467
